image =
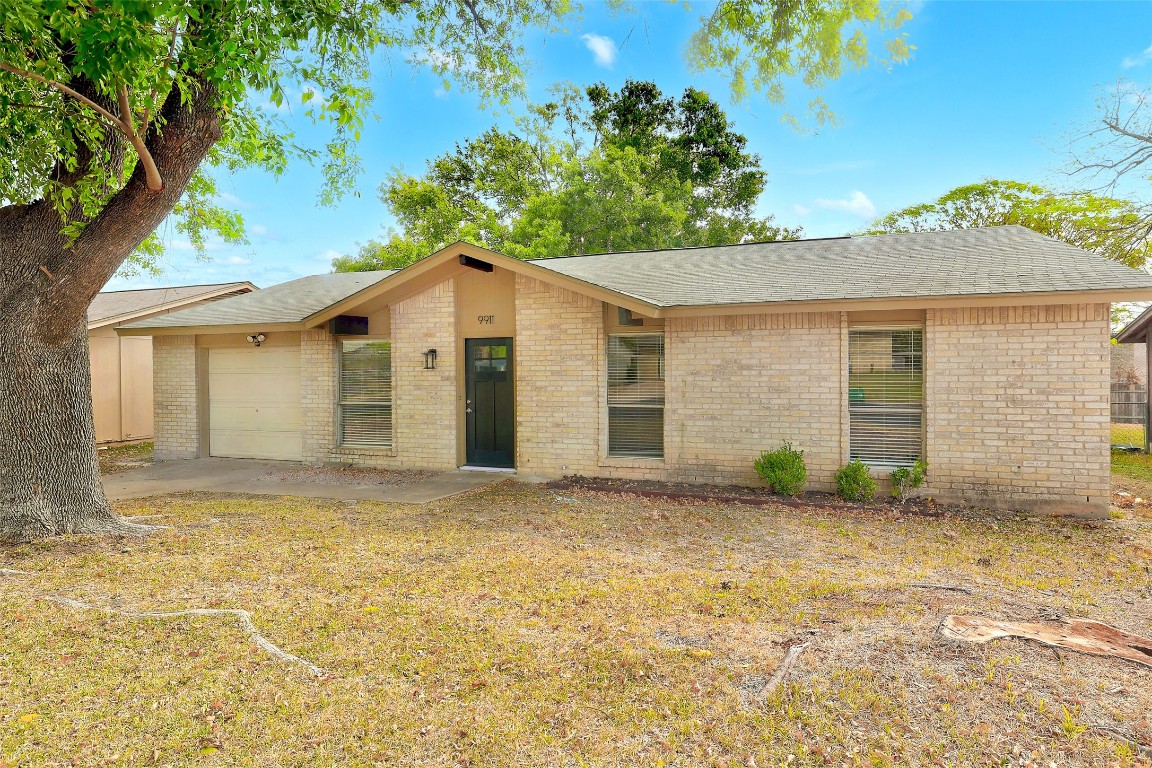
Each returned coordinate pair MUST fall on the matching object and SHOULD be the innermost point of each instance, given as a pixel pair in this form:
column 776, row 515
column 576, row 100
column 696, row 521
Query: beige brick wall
column 318, row 367
column 177, row 404
column 1017, row 406
column 425, row 402
column 740, row 385
column 559, row 351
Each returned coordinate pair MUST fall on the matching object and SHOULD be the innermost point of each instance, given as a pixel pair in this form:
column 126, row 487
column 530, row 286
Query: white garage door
column 254, row 394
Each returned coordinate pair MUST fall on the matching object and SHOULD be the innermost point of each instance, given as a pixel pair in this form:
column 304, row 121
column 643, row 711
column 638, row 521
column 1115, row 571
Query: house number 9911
column 486, row 319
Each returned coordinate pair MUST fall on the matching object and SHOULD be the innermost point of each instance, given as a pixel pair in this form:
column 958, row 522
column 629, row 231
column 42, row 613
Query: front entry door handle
column 467, row 410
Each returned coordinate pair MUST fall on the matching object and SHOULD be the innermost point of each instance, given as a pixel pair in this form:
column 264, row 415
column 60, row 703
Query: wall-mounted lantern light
column 430, row 360
column 257, row 339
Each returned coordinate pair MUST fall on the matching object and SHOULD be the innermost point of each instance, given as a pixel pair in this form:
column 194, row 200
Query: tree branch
column 115, row 121
column 151, row 172
column 156, row 91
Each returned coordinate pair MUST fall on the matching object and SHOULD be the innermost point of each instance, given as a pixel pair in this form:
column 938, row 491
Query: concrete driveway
column 265, row 478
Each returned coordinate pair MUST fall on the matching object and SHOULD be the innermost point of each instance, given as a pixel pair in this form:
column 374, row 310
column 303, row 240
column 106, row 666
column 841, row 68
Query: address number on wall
column 486, row 319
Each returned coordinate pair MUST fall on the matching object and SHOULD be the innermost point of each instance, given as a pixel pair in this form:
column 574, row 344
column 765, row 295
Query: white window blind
column 886, row 395
column 636, row 395
column 366, row 393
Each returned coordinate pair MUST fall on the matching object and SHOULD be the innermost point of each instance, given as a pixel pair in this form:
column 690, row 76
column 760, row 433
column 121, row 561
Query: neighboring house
column 984, row 351
column 1130, row 364
column 122, row 365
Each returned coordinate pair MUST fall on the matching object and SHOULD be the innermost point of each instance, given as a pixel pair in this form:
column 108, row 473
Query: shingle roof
column 112, row 304
column 969, row 262
column 289, row 302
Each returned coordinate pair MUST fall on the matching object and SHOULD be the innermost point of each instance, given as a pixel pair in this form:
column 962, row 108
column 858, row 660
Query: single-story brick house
column 984, row 351
column 122, row 365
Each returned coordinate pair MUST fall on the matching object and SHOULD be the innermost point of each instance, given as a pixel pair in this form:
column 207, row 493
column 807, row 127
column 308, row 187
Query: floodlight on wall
column 257, row 339
column 430, row 360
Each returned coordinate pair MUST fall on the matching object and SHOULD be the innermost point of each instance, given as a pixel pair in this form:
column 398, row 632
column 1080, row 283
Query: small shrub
column 906, row 480
column 783, row 469
column 854, row 483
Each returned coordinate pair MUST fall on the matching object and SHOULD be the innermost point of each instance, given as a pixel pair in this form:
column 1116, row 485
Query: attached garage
column 254, row 403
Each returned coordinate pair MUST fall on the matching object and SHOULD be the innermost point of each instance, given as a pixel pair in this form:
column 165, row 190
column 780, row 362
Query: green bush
column 783, row 469
column 854, row 483
column 906, row 480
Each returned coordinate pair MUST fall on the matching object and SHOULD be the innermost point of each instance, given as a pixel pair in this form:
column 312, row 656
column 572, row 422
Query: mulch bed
column 738, row 494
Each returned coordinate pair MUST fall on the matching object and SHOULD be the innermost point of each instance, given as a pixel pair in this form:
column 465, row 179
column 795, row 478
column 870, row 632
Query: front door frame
column 473, row 455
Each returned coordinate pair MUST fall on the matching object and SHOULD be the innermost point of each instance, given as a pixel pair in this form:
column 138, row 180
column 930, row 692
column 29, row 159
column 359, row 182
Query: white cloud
column 234, row 201
column 801, row 210
column 328, row 255
column 857, row 204
column 237, row 260
column 1141, row 58
column 603, row 49
column 258, row 229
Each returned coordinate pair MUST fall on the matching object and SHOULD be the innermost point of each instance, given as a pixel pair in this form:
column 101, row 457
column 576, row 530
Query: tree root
column 244, row 617
column 11, row 572
column 950, row 587
column 784, row 668
column 1116, row 733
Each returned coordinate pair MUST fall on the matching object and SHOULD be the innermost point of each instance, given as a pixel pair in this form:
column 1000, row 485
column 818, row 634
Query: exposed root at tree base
column 24, row 528
column 244, row 616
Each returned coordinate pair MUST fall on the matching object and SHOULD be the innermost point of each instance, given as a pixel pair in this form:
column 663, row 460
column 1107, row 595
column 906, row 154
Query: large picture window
column 886, row 395
column 366, row 393
column 636, row 395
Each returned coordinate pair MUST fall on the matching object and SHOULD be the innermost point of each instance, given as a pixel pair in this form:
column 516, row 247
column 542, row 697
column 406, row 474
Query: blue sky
column 994, row 90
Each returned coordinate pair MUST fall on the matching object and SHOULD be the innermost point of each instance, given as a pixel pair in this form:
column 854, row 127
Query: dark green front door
column 490, row 405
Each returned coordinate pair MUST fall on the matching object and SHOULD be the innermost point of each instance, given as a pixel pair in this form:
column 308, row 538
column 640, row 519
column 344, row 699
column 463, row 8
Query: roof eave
column 949, row 301
column 208, row 330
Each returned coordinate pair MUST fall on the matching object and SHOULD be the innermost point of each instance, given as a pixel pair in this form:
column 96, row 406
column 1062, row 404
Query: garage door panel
column 254, row 398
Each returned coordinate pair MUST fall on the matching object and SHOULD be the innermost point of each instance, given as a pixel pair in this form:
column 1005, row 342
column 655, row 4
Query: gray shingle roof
column 289, row 302
column 969, row 262
column 111, row 304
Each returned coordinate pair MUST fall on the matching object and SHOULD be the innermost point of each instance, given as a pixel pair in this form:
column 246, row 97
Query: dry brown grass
column 515, row 626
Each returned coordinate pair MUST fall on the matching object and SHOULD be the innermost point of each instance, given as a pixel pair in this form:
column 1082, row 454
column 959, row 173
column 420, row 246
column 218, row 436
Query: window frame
column 341, row 405
column 892, row 328
column 611, row 455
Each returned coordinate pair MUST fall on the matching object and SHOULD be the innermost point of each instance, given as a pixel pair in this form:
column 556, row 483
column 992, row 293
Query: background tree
column 588, row 172
column 1104, row 225
column 1117, row 151
column 112, row 112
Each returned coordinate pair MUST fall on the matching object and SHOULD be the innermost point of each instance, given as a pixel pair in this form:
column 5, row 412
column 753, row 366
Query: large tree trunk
column 49, row 479
column 49, row 475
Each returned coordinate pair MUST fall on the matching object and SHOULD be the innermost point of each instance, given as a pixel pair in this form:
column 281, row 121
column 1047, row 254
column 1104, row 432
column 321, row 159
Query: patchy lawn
column 1128, row 434
column 120, row 458
column 520, row 626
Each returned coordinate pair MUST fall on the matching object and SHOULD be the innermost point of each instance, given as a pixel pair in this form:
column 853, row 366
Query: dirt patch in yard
column 121, row 458
column 392, row 478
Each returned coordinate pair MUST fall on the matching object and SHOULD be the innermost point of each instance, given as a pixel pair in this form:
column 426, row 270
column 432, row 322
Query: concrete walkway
column 262, row 478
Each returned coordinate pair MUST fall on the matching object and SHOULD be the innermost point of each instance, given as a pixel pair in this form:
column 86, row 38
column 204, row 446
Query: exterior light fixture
column 257, row 339
column 430, row 360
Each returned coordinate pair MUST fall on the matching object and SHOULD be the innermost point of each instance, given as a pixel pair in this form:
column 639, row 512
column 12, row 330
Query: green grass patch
column 1128, row 434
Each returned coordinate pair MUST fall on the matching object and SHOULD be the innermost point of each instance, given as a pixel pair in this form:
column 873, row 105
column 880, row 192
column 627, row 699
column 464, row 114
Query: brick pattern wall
column 424, row 402
column 560, row 382
column 742, row 384
column 176, row 402
column 1017, row 406
column 318, row 368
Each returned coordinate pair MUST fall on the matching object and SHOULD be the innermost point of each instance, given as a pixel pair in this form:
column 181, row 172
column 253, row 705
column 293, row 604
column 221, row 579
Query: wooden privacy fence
column 1129, row 403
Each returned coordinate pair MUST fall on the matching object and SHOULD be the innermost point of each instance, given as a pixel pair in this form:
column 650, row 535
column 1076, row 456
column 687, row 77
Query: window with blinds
column 886, row 395
column 636, row 395
column 366, row 393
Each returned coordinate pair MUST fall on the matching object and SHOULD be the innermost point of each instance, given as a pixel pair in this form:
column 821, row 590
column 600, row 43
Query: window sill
column 373, row 450
column 627, row 461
